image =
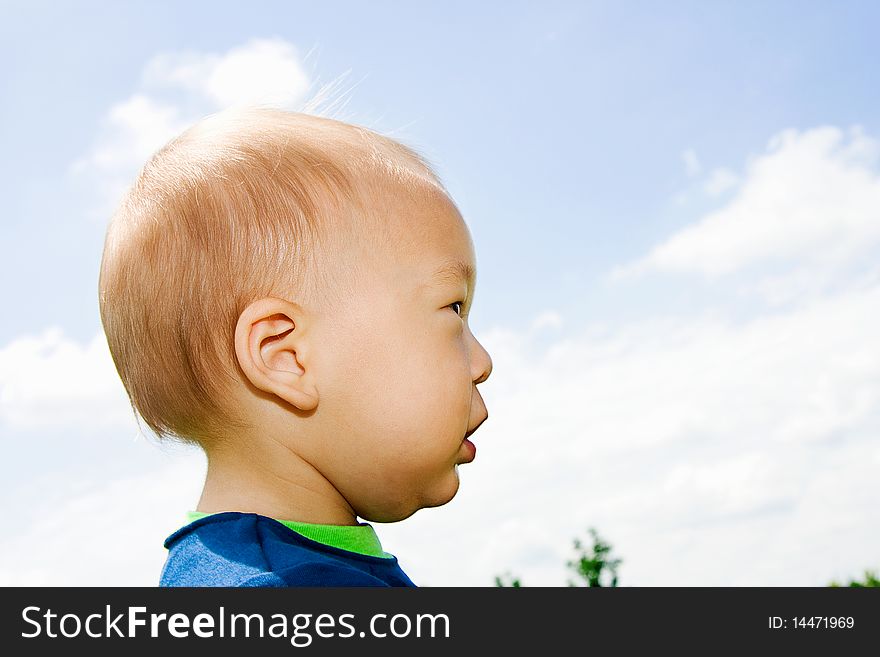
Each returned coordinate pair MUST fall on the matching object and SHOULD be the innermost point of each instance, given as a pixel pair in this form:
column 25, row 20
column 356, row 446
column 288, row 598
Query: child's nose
column 484, row 363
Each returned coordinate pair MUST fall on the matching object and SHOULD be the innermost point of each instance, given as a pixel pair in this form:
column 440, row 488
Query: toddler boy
column 291, row 293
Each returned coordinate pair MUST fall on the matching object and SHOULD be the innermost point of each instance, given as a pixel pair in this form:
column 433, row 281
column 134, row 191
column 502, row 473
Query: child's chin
column 446, row 492
column 440, row 495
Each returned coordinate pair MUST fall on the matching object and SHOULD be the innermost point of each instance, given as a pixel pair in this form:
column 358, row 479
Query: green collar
column 360, row 538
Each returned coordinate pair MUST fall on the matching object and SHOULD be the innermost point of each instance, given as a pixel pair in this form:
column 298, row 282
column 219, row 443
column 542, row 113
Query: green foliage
column 591, row 566
column 588, row 566
column 870, row 581
column 513, row 581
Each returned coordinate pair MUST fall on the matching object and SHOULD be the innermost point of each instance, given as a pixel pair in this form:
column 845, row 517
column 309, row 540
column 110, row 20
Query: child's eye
column 459, row 303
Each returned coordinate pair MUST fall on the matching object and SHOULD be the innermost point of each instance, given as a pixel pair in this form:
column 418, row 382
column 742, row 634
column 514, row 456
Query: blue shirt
column 247, row 549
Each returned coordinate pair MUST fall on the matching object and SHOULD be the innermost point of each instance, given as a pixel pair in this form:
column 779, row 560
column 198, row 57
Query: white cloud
column 812, row 198
column 52, row 382
column 692, row 164
column 686, row 441
column 176, row 90
column 139, row 126
column 547, row 319
column 261, row 71
column 109, row 535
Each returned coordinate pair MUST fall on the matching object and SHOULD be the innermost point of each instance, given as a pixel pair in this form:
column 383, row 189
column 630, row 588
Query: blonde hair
column 246, row 203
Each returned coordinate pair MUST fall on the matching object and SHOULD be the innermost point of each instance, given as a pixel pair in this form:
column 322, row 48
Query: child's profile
column 291, row 293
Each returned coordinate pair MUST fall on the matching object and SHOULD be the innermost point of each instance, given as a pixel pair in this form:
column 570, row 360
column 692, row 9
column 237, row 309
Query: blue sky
column 674, row 208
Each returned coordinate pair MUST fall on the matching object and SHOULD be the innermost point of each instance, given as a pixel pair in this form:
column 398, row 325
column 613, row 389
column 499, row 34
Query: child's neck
column 255, row 483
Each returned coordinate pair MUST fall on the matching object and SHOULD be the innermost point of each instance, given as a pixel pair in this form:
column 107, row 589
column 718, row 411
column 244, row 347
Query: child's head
column 279, row 278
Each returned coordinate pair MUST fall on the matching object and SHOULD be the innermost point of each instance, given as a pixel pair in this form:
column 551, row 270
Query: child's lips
column 471, row 450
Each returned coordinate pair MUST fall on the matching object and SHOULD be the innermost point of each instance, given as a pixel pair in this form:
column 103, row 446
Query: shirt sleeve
column 315, row 574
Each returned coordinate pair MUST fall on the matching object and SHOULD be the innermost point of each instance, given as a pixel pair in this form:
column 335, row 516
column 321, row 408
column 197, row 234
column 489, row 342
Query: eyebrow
column 454, row 271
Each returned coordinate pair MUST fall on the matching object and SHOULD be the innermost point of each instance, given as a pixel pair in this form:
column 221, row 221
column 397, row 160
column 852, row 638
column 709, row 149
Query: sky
column 676, row 214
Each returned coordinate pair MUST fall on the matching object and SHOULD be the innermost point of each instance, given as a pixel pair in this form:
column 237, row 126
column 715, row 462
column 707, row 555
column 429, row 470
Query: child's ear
column 270, row 343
